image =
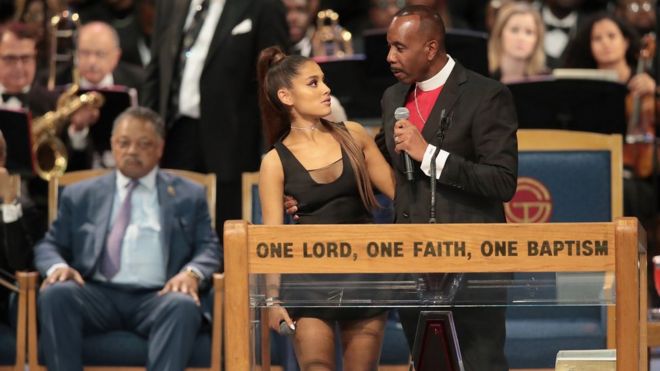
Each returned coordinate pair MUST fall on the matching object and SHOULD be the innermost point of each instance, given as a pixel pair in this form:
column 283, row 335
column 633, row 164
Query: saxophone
column 49, row 155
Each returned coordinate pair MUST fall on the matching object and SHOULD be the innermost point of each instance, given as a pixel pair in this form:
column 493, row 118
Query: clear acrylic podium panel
column 438, row 290
column 538, row 292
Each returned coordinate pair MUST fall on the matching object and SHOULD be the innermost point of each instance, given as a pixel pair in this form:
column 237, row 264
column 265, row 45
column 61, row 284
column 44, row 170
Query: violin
column 639, row 146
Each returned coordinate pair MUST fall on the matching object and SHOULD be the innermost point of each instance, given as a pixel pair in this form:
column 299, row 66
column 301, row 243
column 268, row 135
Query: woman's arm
column 271, row 196
column 271, row 189
column 380, row 172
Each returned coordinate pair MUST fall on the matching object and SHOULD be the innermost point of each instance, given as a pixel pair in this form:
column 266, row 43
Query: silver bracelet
column 271, row 301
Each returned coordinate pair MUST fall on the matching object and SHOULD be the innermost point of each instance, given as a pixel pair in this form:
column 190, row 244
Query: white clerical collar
column 439, row 78
column 148, row 181
column 107, row 81
column 550, row 19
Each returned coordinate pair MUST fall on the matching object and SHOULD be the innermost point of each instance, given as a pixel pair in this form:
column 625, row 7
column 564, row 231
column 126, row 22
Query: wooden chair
column 211, row 344
column 15, row 342
column 563, row 176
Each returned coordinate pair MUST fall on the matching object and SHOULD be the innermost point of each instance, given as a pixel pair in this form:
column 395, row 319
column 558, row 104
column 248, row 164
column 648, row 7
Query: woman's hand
column 277, row 314
column 642, row 84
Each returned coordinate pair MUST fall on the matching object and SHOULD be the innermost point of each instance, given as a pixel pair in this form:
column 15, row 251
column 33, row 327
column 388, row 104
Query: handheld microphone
column 402, row 113
column 285, row 330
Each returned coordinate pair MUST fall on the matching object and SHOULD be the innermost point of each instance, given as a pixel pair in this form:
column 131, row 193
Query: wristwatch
column 193, row 273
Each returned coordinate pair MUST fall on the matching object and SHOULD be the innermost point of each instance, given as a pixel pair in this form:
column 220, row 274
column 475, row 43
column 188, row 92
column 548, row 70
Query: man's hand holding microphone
column 408, row 139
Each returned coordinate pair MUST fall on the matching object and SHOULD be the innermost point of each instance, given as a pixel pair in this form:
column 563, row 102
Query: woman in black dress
column 329, row 168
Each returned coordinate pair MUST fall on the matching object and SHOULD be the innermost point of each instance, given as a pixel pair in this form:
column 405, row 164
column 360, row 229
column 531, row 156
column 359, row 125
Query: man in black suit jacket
column 476, row 166
column 211, row 107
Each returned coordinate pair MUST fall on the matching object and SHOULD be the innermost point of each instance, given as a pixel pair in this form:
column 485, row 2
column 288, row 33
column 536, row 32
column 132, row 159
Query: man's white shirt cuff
column 78, row 138
column 439, row 161
column 11, row 212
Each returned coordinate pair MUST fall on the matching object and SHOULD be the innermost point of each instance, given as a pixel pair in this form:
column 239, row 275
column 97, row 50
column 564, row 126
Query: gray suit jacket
column 77, row 237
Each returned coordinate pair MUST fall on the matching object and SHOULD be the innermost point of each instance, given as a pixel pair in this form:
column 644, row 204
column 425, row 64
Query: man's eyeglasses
column 142, row 145
column 640, row 6
column 99, row 54
column 14, row 59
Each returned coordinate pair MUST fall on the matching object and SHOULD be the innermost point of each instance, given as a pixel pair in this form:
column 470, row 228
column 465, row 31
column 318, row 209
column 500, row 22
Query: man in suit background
column 202, row 79
column 100, row 68
column 19, row 90
column 99, row 61
column 476, row 166
column 128, row 250
column 20, row 226
column 18, row 66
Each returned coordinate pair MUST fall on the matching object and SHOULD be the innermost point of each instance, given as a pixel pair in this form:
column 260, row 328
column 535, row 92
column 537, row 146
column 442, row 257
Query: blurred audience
column 381, row 12
column 36, row 14
column 99, row 66
column 20, row 227
column 18, row 55
column 99, row 56
column 299, row 17
column 639, row 13
column 120, row 14
column 7, row 11
column 515, row 47
column 470, row 14
column 136, row 47
column 492, row 9
column 606, row 42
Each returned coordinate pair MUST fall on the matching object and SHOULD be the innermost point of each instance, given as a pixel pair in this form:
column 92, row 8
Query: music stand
column 346, row 79
column 16, row 128
column 436, row 345
column 571, row 104
column 470, row 48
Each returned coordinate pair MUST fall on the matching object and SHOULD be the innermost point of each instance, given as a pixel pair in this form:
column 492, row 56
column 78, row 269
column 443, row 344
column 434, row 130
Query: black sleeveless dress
column 335, row 202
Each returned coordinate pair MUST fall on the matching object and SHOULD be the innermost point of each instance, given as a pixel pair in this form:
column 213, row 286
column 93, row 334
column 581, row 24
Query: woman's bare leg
column 314, row 344
column 362, row 341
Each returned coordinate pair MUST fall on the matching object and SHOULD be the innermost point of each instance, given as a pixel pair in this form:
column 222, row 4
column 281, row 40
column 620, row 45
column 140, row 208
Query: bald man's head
column 428, row 20
column 416, row 40
column 98, row 51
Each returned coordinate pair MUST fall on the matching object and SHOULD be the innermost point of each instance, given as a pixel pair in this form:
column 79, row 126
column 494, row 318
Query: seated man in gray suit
column 128, row 251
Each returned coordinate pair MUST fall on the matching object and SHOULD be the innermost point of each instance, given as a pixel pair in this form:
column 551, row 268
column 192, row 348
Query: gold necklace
column 417, row 107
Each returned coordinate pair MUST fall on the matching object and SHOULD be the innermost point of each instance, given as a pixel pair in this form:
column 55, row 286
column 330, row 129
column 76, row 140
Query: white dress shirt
column 13, row 102
column 189, row 96
column 435, row 82
column 556, row 40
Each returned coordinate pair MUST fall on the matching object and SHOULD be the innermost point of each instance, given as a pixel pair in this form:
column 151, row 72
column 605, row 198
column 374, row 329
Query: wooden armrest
column 217, row 329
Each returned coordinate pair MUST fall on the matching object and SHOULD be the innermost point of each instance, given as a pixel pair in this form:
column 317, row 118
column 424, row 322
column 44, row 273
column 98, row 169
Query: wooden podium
column 617, row 247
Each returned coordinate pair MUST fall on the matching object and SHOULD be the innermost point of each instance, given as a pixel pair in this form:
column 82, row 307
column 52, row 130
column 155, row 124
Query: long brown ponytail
column 275, row 70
